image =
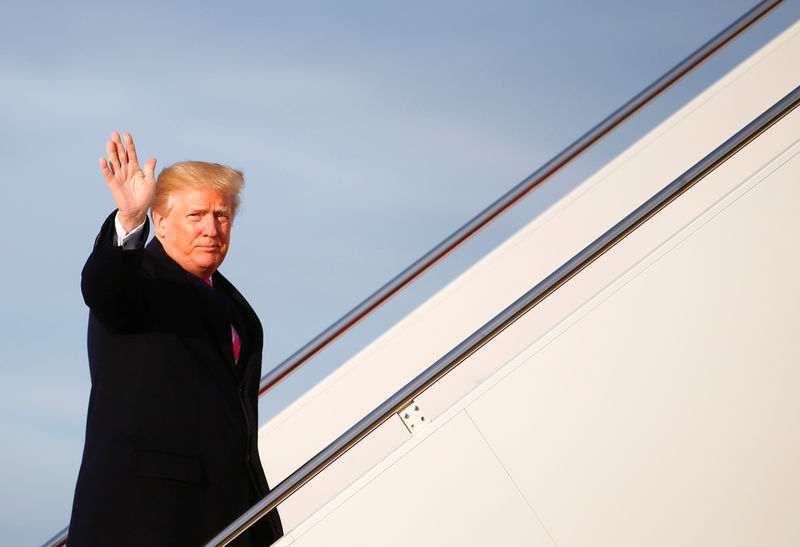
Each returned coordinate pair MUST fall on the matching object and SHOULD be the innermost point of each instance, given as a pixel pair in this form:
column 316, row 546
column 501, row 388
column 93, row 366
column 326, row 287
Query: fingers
column 122, row 156
column 131, row 150
column 113, row 158
column 107, row 173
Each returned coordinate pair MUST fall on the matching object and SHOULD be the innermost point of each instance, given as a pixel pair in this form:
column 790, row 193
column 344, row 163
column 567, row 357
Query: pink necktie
column 237, row 344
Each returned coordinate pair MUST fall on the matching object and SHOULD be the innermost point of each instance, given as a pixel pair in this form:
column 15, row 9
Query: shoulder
column 224, row 285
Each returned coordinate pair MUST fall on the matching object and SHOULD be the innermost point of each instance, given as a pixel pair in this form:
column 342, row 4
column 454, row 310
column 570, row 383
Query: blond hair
column 197, row 174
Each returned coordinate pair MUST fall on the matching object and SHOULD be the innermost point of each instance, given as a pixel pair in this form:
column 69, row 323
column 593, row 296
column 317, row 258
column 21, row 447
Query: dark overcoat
column 171, row 452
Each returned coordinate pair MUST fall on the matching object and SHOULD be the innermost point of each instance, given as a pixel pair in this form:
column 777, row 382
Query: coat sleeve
column 112, row 281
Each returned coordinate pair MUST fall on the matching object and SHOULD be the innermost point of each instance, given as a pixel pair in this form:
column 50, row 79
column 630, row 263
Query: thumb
column 150, row 168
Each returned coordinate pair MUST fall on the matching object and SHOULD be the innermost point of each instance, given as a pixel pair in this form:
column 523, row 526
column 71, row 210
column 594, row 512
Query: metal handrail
column 504, row 319
column 510, row 198
column 400, row 281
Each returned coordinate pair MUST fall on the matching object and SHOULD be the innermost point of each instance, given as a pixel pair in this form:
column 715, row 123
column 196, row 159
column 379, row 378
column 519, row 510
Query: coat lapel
column 204, row 335
column 247, row 325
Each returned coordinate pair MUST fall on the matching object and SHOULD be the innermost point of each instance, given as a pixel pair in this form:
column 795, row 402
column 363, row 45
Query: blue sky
column 367, row 132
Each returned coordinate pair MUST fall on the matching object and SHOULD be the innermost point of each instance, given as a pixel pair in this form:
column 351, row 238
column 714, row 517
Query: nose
column 210, row 226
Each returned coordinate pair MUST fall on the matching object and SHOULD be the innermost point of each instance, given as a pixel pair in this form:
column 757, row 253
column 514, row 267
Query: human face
column 196, row 229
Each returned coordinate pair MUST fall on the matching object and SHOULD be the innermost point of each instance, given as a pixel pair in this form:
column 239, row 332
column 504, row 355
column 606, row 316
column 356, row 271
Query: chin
column 209, row 260
column 212, row 266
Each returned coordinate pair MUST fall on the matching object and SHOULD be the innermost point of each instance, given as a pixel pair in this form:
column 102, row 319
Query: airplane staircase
column 621, row 370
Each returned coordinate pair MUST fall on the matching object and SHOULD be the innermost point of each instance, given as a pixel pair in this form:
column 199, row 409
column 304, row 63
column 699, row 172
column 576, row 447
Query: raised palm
column 133, row 190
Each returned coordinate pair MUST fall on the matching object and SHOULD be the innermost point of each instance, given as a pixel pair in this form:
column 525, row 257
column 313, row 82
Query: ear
column 160, row 223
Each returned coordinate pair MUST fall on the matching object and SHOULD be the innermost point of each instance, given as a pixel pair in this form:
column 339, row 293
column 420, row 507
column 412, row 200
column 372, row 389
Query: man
column 171, row 452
